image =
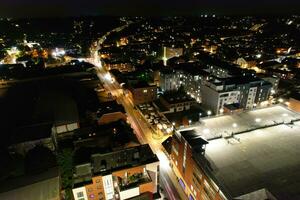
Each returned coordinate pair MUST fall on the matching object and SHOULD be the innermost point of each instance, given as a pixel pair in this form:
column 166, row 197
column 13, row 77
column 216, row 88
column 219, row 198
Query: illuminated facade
column 117, row 175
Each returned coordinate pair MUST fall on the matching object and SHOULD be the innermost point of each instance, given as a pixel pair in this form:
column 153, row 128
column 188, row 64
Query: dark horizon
column 55, row 8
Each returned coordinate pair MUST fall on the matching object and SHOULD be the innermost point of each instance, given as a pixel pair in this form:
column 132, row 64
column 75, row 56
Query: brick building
column 123, row 174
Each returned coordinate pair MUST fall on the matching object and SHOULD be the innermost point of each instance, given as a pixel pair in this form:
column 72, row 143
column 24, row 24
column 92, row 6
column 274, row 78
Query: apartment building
column 122, row 174
column 247, row 92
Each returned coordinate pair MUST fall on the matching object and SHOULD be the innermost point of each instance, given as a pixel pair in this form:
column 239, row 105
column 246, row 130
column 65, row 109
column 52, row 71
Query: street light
column 280, row 100
column 234, row 125
column 173, row 123
column 221, row 111
column 257, row 120
column 209, row 113
column 206, row 131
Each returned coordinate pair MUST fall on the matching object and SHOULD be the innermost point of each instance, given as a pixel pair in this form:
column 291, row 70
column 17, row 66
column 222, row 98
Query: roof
column 109, row 107
column 265, row 158
column 125, row 158
column 214, row 127
column 173, row 97
column 107, row 162
column 31, row 133
column 194, row 139
column 233, row 106
column 46, row 184
column 141, row 84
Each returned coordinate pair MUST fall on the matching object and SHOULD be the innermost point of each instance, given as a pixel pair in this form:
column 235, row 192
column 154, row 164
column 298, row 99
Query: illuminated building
column 142, row 92
column 124, row 174
column 231, row 166
column 243, row 91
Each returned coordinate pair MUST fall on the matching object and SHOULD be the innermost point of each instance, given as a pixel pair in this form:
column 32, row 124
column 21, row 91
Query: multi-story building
column 273, row 80
column 232, row 167
column 124, row 174
column 170, row 79
column 193, row 180
column 245, row 91
column 110, row 111
column 187, row 75
column 175, row 101
column 142, row 92
column 294, row 102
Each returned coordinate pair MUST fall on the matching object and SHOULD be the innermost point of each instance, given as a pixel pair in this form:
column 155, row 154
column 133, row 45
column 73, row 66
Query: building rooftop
column 225, row 125
column 174, row 97
column 194, row 139
column 141, row 84
column 264, row 158
column 125, row 158
column 45, row 184
column 107, row 162
column 109, row 107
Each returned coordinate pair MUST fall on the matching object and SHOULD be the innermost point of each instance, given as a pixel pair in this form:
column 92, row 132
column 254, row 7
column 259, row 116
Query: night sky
column 57, row 8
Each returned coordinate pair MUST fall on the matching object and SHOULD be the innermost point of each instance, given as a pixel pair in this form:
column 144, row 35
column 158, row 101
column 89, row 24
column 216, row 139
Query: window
column 145, row 91
column 80, row 196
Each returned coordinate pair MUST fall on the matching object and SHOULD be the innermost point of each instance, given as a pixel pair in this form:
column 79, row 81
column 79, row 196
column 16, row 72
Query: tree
column 65, row 162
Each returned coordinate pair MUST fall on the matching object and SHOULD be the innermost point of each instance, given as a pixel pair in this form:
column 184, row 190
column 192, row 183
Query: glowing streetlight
column 272, row 91
column 206, row 131
column 173, row 123
column 280, row 100
column 209, row 113
column 257, row 120
column 221, row 111
column 190, row 121
column 234, row 125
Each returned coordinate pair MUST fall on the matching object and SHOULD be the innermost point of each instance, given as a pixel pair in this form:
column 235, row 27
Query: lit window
column 145, row 91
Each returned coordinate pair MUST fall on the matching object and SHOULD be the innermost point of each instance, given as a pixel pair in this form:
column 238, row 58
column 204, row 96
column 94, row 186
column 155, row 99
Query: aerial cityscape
column 109, row 107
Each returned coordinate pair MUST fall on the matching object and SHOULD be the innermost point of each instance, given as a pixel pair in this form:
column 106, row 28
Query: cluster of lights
column 58, row 52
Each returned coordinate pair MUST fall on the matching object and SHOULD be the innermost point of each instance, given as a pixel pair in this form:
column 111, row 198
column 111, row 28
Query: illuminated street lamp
column 190, row 121
column 209, row 113
column 173, row 123
column 206, row 131
column 257, row 120
column 234, row 125
column 221, row 111
column 280, row 100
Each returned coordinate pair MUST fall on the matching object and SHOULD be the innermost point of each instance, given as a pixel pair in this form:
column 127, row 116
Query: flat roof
column 225, row 125
column 264, row 158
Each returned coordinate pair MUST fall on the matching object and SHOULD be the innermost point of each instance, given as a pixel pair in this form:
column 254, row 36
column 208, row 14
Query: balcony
column 133, row 181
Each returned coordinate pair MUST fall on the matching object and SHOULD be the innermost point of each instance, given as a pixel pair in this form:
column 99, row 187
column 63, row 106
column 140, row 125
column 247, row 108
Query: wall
column 294, row 104
column 111, row 117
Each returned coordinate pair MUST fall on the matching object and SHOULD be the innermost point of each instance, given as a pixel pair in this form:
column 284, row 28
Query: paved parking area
column 264, row 158
column 223, row 126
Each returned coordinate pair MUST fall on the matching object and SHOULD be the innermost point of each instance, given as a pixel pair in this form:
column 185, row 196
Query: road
column 168, row 180
column 144, row 134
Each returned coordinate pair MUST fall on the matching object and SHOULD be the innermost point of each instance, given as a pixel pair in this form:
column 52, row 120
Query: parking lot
column 226, row 125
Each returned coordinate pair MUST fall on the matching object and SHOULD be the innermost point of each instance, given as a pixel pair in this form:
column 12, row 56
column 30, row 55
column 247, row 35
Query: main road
column 168, row 180
column 144, row 134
